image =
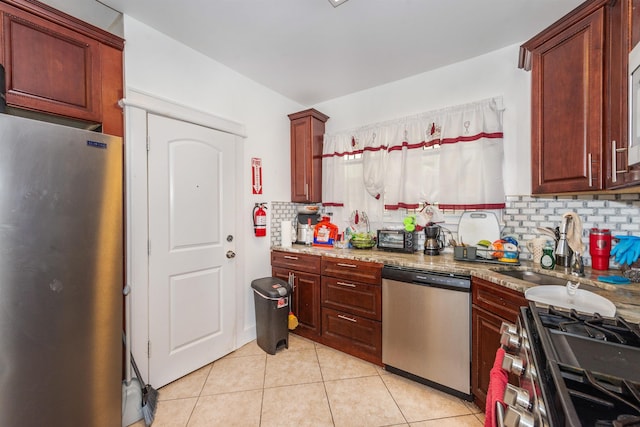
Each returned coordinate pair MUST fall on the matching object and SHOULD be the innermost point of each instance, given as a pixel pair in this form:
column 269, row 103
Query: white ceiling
column 310, row 52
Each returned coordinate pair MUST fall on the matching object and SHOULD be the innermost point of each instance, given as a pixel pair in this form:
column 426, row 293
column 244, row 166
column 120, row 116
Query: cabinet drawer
column 356, row 298
column 294, row 261
column 351, row 334
column 496, row 299
column 359, row 271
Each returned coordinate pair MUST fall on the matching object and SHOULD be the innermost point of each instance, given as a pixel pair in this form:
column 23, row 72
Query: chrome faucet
column 577, row 265
column 563, row 251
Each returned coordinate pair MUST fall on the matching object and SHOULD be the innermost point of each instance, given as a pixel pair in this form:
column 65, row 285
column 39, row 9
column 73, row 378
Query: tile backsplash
column 281, row 211
column 618, row 212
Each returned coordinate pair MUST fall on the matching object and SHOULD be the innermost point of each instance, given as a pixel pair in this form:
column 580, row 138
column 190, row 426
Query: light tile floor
column 307, row 384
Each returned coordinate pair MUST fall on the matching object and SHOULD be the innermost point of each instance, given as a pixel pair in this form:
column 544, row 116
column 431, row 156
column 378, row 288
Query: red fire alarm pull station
column 256, row 175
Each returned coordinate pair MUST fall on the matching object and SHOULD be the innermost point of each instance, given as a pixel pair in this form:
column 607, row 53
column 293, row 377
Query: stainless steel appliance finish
column 564, row 253
column 432, row 243
column 426, row 328
column 304, row 227
column 573, row 369
column 61, row 272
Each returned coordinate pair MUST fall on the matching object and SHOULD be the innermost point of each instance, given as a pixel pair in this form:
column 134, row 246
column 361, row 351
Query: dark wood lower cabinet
column 351, row 300
column 486, row 340
column 305, row 300
column 352, row 334
column 492, row 305
column 338, row 302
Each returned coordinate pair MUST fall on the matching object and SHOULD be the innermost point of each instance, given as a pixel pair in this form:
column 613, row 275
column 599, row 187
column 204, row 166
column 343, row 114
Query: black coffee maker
column 432, row 243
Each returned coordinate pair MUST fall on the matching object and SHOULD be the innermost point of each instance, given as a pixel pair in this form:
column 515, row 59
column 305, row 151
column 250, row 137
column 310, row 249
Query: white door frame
column 136, row 106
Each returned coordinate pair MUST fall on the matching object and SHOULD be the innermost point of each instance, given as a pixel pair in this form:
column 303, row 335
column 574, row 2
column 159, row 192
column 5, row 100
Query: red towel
column 498, row 379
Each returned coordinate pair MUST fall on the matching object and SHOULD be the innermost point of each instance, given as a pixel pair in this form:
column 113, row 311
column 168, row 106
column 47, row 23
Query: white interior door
column 191, row 239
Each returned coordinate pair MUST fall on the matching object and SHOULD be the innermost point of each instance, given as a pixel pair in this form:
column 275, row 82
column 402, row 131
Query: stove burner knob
column 516, row 396
column 510, row 341
column 518, row 418
column 541, row 408
column 513, row 364
column 508, row 327
column 533, row 374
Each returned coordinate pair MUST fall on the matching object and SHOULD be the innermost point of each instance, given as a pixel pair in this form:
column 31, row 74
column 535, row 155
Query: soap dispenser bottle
column 547, row 261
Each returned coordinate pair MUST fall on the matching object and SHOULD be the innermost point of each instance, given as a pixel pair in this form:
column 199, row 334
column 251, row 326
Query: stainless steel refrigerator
column 61, row 275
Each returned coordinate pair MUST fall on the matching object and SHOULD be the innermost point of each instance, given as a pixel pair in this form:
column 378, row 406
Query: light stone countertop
column 625, row 297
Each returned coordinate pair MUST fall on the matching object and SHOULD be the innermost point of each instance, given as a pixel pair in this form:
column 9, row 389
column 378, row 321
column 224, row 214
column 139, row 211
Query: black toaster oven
column 397, row 240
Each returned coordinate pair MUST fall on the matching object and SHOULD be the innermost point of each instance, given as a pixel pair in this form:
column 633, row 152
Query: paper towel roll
column 285, row 234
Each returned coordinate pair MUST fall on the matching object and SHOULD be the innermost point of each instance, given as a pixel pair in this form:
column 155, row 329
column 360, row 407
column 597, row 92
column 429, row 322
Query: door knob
column 231, row 254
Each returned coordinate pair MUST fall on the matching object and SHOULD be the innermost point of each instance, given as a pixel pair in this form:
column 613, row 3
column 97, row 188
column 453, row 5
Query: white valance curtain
column 451, row 156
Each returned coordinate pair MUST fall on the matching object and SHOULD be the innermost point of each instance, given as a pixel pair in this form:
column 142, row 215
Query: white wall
column 482, row 77
column 160, row 66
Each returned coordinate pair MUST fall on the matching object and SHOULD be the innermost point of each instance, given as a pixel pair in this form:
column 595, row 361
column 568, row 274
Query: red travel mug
column 600, row 248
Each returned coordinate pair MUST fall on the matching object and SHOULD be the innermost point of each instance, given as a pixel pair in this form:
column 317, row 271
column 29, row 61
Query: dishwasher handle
column 450, row 281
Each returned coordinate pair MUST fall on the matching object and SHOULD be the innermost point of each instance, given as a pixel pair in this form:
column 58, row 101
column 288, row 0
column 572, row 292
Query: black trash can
column 271, row 297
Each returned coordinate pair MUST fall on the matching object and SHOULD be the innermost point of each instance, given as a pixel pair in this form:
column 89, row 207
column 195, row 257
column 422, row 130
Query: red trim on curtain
column 405, row 144
column 402, row 205
column 346, row 153
column 494, row 135
column 333, row 204
column 476, row 206
column 420, row 144
column 378, row 148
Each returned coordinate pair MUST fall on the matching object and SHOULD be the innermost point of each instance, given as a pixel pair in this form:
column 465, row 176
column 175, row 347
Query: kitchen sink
column 541, row 278
column 534, row 277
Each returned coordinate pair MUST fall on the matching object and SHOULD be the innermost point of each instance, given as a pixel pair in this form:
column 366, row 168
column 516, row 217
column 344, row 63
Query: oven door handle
column 499, row 415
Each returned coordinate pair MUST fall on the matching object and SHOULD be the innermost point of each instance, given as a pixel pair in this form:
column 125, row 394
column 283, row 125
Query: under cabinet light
column 337, row 3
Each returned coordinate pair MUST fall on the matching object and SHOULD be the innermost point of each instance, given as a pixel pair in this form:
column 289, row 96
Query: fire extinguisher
column 260, row 220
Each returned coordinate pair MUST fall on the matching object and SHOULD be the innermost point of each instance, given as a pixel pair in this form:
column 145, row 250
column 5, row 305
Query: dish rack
column 485, row 255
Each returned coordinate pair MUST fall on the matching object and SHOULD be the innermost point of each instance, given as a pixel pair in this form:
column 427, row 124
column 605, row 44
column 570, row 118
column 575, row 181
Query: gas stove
column 574, row 369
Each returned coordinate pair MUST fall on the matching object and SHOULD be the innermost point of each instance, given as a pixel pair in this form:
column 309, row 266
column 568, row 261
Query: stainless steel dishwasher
column 426, row 328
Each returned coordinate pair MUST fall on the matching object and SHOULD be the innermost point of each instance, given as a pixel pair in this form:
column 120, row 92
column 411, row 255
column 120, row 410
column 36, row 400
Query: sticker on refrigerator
column 97, row 144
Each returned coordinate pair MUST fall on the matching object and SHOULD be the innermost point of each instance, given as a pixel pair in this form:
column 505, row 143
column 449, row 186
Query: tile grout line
column 324, row 384
column 199, row 395
column 264, row 382
column 392, row 397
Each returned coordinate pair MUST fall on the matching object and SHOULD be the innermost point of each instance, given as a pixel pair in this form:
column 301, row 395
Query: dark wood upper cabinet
column 307, row 132
column 57, row 64
column 579, row 110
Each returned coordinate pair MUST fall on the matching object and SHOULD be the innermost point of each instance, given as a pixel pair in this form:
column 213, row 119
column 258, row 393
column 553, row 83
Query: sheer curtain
column 451, row 156
column 471, row 157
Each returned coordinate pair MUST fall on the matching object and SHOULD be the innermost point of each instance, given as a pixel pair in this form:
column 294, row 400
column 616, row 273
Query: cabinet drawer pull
column 350, row 285
column 340, row 264
column 295, row 258
column 350, row 319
